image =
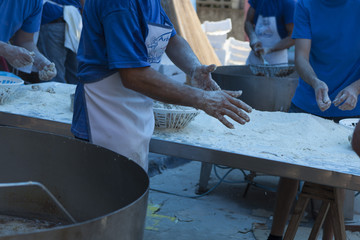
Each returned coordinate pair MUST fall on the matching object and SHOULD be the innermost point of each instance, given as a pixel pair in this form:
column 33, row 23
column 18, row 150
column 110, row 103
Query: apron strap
column 54, row 3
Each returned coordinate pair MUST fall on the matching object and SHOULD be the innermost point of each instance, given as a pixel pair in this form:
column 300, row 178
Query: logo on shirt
column 157, row 41
column 157, row 47
column 265, row 27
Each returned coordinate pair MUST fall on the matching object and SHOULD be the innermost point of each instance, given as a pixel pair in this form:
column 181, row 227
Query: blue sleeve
column 51, row 12
column 32, row 22
column 125, row 41
column 289, row 9
column 168, row 22
column 252, row 3
column 301, row 22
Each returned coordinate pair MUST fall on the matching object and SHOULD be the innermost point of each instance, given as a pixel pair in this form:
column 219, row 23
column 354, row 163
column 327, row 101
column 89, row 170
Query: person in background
column 19, row 20
column 57, row 18
column 120, row 42
column 327, row 58
column 269, row 25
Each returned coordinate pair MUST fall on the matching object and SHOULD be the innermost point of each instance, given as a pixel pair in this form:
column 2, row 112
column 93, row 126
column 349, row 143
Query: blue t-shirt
column 335, row 50
column 19, row 14
column 282, row 10
column 113, row 37
column 52, row 11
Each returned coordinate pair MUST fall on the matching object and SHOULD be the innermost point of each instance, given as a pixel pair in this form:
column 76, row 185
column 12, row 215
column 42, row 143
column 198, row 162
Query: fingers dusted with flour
column 220, row 104
column 201, row 77
column 48, row 72
column 16, row 56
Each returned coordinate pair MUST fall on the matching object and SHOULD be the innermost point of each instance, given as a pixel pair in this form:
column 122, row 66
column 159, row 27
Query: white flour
column 295, row 138
column 50, row 101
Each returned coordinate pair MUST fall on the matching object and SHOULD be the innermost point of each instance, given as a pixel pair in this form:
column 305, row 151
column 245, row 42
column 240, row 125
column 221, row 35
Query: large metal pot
column 104, row 192
column 260, row 92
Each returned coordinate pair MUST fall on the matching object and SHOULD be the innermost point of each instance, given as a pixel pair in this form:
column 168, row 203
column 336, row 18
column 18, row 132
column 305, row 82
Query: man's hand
column 220, row 103
column 321, row 94
column 347, row 98
column 46, row 69
column 48, row 72
column 17, row 56
column 258, row 48
column 201, row 78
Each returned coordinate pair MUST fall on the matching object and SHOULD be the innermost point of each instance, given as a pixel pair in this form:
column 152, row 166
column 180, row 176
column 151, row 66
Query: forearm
column 158, row 86
column 2, row 48
column 249, row 29
column 181, row 54
column 305, row 71
column 284, row 43
column 356, row 86
column 39, row 60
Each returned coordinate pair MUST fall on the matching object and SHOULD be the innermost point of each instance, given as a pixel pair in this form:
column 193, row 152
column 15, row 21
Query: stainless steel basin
column 260, row 92
column 104, row 192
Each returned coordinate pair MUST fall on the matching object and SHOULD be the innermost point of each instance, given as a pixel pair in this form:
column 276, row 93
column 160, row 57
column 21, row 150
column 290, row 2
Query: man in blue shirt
column 327, row 58
column 269, row 24
column 121, row 41
column 52, row 34
column 19, row 20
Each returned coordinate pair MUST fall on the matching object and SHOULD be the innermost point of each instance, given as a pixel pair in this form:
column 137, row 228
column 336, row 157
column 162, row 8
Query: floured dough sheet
column 50, row 101
column 295, row 138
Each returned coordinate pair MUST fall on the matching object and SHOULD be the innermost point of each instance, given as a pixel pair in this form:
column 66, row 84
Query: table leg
column 204, row 177
column 331, row 199
column 296, row 217
column 336, row 208
column 319, row 220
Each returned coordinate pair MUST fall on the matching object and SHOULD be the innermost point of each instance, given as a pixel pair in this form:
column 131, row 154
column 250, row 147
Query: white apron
column 73, row 26
column 267, row 33
column 121, row 119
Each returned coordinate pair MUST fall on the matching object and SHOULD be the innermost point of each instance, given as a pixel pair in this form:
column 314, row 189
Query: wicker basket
column 174, row 118
column 9, row 83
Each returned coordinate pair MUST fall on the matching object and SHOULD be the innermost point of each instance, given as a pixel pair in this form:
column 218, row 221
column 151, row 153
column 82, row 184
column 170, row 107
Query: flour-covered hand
column 258, row 48
column 347, row 98
column 219, row 104
column 17, row 56
column 322, row 96
column 48, row 72
column 201, row 78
